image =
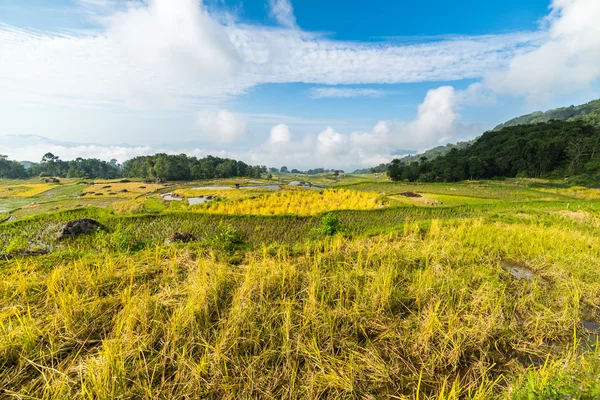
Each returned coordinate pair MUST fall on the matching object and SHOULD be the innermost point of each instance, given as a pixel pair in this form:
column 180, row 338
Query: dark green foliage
column 87, row 168
column 330, row 225
column 158, row 166
column 182, row 167
column 554, row 149
column 11, row 169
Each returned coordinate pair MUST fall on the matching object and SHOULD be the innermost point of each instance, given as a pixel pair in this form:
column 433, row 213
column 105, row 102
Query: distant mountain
column 437, row 151
column 589, row 113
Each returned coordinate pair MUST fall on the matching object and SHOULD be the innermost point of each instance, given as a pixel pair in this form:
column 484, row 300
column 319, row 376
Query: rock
column 123, row 191
column 106, row 187
column 80, row 227
column 179, row 237
column 99, row 194
column 142, row 187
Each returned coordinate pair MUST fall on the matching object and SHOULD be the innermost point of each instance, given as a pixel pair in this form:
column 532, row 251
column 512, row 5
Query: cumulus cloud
column 155, row 53
column 436, row 122
column 568, row 61
column 341, row 92
column 280, row 134
column 330, row 142
column 283, row 12
column 221, row 125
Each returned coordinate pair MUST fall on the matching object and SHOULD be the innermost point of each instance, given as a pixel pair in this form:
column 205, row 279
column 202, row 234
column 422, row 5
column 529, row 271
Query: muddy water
column 520, row 271
column 271, row 187
column 192, row 201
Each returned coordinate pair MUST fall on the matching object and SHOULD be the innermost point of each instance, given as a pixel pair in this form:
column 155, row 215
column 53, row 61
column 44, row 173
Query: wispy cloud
column 164, row 54
column 283, row 12
column 340, row 92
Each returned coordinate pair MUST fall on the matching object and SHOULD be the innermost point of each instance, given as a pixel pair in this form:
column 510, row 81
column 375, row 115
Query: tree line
column 182, row 167
column 158, row 166
column 545, row 150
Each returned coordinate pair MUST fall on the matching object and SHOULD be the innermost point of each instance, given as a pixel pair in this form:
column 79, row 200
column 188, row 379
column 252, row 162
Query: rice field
column 492, row 294
column 300, row 202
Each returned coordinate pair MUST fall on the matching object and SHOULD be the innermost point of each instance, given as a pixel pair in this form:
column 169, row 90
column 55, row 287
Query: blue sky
column 304, row 83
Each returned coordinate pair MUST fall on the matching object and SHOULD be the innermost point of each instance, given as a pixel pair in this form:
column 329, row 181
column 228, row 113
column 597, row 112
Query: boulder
column 179, row 237
column 80, row 227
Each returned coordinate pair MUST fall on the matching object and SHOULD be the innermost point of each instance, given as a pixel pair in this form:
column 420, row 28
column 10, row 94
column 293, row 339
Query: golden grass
column 28, row 190
column 426, row 313
column 299, row 202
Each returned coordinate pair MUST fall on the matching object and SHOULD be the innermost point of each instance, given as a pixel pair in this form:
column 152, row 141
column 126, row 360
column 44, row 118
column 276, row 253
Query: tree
column 476, row 167
column 284, row 169
column 395, row 170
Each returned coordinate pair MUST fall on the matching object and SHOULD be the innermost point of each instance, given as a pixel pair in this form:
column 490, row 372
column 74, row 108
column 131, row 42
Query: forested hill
column 589, row 113
column 437, row 151
column 553, row 149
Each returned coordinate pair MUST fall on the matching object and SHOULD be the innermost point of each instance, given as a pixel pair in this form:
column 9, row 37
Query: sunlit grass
column 300, row 202
column 425, row 311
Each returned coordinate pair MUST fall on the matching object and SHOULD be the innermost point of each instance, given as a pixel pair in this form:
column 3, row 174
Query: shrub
column 330, row 225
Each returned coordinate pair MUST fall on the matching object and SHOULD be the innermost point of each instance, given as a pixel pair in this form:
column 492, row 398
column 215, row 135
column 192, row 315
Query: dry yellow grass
column 30, row 190
column 306, row 202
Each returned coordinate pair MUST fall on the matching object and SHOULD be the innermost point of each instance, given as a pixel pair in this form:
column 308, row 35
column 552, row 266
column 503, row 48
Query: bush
column 227, row 238
column 330, row 225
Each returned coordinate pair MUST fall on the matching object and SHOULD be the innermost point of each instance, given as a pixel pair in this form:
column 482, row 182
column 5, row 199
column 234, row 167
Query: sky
column 301, row 83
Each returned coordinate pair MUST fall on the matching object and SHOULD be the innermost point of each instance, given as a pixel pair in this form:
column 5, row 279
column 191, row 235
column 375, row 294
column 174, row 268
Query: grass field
column 474, row 290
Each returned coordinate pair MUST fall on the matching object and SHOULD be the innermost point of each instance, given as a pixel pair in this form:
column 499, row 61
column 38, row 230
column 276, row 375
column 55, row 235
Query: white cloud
column 337, row 92
column 158, row 53
column 169, row 54
column 283, row 12
column 280, row 134
column 568, row 61
column 221, row 126
column 330, row 142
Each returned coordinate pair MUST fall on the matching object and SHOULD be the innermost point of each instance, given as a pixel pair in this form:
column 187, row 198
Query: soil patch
column 410, row 194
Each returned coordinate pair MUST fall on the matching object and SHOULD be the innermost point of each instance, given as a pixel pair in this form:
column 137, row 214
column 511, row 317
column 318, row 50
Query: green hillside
column 589, row 113
column 555, row 149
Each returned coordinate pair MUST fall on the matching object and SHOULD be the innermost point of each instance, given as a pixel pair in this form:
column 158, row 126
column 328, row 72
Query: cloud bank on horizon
column 176, row 55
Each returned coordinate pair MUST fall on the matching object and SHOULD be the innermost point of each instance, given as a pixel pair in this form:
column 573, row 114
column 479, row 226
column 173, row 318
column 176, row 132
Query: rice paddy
column 486, row 290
